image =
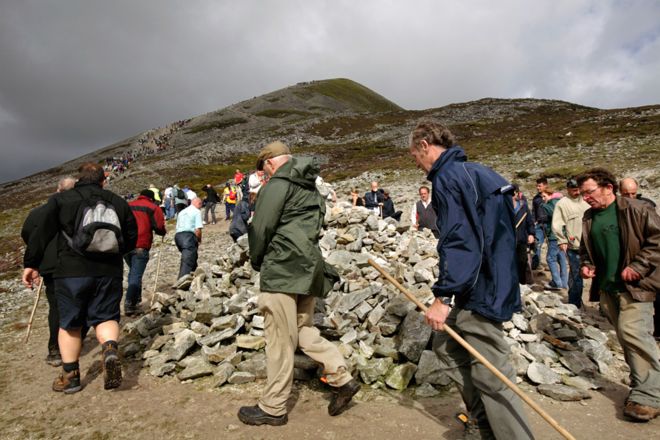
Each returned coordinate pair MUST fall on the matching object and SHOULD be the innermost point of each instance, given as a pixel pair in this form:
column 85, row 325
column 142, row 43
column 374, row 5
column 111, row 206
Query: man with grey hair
column 188, row 236
column 477, row 288
column 46, row 270
column 284, row 248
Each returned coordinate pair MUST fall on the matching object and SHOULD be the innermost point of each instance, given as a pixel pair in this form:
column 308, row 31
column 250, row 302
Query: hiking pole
column 153, row 293
column 34, row 309
column 477, row 355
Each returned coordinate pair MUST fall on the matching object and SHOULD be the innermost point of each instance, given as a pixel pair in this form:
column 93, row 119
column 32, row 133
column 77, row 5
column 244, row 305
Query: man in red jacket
column 149, row 219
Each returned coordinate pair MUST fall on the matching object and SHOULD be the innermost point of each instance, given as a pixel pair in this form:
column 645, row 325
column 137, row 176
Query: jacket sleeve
column 160, row 222
column 28, row 227
column 559, row 224
column 529, row 222
column 459, row 247
column 648, row 257
column 129, row 226
column 45, row 230
column 267, row 213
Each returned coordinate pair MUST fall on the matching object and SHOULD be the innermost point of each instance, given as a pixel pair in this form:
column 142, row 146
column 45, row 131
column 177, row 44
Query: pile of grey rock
column 210, row 325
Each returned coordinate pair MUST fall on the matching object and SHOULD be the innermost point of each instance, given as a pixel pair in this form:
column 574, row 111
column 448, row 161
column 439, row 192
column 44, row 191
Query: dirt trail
column 145, row 407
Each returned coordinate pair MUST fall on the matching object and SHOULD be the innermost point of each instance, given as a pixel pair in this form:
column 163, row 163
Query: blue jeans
column 229, row 210
column 539, row 234
column 170, row 210
column 186, row 242
column 574, row 278
column 557, row 257
column 137, row 261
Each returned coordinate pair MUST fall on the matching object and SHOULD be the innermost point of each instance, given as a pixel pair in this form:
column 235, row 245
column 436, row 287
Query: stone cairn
column 210, row 325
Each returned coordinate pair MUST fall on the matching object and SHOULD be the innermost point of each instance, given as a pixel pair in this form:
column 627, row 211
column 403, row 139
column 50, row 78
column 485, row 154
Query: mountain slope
column 353, row 129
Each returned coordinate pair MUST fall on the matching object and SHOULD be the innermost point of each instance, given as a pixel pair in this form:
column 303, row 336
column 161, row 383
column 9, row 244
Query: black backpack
column 97, row 229
column 180, row 194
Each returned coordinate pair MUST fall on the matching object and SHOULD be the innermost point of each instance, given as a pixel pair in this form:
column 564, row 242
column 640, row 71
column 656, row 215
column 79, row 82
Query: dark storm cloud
column 79, row 75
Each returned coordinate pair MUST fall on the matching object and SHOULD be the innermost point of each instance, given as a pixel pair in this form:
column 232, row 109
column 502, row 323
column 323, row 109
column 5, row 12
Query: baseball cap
column 571, row 183
column 147, row 193
column 271, row 150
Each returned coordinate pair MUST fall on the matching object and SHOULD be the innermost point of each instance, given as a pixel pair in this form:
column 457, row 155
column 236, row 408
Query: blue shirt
column 189, row 219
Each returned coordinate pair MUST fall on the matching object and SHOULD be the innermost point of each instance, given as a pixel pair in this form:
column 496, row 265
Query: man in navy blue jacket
column 478, row 274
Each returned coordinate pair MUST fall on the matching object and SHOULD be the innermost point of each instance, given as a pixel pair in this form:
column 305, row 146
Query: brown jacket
column 640, row 245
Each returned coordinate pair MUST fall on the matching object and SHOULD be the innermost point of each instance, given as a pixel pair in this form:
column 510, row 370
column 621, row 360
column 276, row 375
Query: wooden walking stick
column 477, row 355
column 34, row 309
column 160, row 251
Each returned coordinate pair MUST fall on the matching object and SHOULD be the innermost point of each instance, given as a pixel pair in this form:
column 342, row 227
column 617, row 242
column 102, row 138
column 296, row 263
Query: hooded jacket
column 284, row 233
column 148, row 217
column 477, row 238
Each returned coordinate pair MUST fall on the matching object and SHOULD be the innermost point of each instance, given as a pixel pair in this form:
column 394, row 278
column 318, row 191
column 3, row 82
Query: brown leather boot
column 639, row 412
column 67, row 383
column 111, row 365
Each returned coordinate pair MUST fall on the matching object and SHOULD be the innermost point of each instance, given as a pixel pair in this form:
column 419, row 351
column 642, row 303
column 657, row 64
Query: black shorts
column 87, row 300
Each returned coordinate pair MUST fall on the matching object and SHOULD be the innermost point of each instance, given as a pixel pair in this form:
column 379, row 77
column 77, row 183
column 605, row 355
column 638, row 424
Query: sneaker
column 550, row 286
column 67, row 383
column 253, row 415
column 639, row 412
column 53, row 358
column 342, row 397
column 111, row 365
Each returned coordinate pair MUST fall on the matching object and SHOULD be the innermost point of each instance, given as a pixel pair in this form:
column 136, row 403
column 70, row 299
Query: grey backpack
column 97, row 229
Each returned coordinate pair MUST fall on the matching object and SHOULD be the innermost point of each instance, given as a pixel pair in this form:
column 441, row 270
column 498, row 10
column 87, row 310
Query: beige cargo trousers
column 288, row 326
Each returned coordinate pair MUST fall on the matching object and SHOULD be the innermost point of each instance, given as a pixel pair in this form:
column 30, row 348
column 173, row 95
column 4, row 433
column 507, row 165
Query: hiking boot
column 67, row 383
column 639, row 412
column 53, row 358
column 472, row 430
column 111, row 365
column 131, row 309
column 253, row 415
column 342, row 397
column 551, row 286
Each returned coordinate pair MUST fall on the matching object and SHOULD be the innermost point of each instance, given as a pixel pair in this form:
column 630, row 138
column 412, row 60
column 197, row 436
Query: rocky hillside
column 353, row 129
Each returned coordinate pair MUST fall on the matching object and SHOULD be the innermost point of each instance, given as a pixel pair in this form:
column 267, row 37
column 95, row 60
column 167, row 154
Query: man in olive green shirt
column 620, row 252
column 284, row 248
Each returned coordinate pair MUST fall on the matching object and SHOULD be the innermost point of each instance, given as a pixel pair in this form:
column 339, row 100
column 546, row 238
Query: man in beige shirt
column 567, row 226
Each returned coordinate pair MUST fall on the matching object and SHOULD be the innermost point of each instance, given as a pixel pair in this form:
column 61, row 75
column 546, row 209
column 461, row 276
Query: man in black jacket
column 46, row 270
column 540, row 220
column 374, row 199
column 88, row 285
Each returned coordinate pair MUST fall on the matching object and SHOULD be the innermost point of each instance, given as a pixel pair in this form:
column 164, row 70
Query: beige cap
column 271, row 150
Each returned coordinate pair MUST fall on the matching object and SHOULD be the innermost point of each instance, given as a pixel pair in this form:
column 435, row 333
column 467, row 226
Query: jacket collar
column 453, row 154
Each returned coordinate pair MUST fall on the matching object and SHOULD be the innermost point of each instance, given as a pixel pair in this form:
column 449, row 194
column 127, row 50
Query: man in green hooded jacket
column 284, row 247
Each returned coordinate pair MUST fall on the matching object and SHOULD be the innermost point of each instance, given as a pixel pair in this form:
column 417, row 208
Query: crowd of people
column 490, row 240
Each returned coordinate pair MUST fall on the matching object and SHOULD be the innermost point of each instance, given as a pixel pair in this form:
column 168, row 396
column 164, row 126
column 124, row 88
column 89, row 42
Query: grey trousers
column 489, row 401
column 633, row 322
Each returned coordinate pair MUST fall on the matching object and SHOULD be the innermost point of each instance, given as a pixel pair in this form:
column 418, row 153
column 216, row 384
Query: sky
column 76, row 76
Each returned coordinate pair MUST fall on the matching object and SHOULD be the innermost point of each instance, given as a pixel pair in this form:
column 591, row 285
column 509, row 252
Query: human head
column 148, row 194
column 629, row 187
column 541, row 184
column 197, row 202
column 386, row 194
column 546, row 195
column 572, row 188
column 91, row 172
column 428, row 141
column 598, row 187
column 374, row 186
column 424, row 193
column 66, row 183
column 273, row 156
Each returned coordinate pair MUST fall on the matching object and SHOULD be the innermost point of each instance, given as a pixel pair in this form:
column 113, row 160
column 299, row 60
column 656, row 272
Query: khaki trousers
column 288, row 325
column 633, row 322
column 497, row 410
